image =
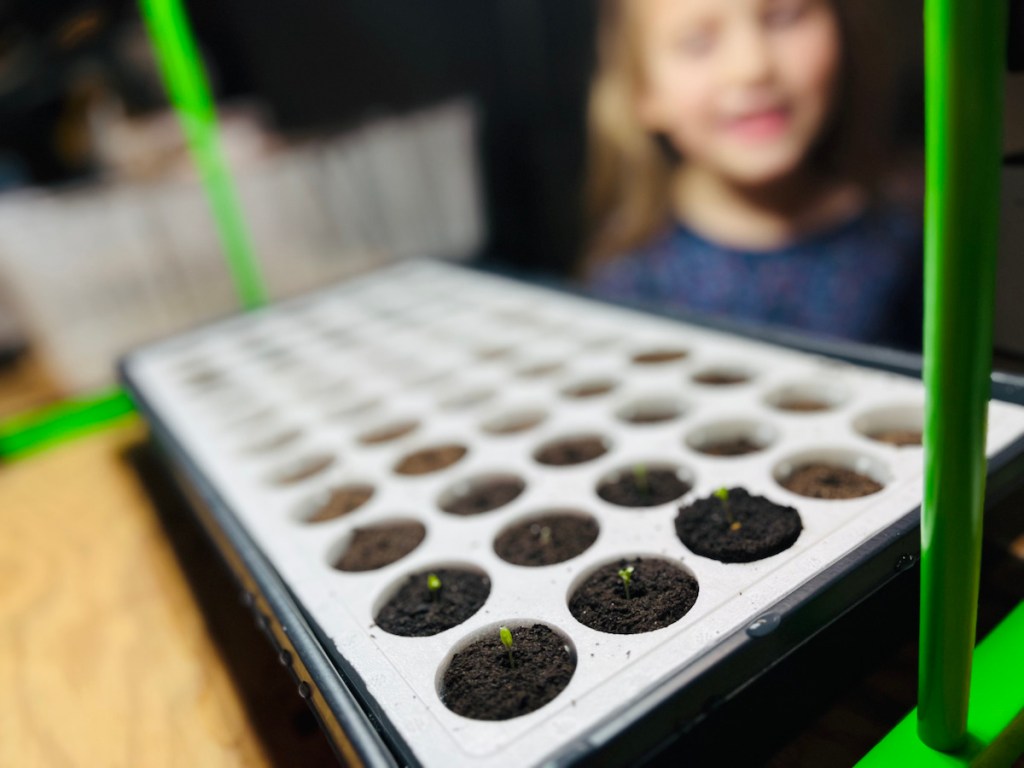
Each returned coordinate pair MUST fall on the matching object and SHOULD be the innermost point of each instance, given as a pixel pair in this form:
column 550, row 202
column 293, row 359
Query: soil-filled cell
column 830, row 481
column 736, row 527
column 568, row 451
column 338, row 502
column 481, row 494
column 488, row 681
column 430, row 601
column 628, row 597
column 375, row 546
column 547, row 539
column 432, row 459
column 643, row 485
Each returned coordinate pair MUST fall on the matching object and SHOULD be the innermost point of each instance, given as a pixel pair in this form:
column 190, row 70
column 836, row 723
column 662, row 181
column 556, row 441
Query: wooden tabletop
column 123, row 641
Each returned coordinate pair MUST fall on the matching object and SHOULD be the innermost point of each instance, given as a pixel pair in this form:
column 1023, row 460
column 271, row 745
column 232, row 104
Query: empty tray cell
column 375, row 546
column 632, row 595
column 546, row 538
column 498, row 676
column 388, row 431
column 645, row 484
column 899, row 425
column 431, row 459
column 732, row 437
column 513, row 421
column 481, row 494
column 354, row 409
column 652, row 409
column 733, row 526
column 808, row 397
column 432, row 600
column 571, row 450
column 269, row 440
column 302, row 468
column 832, row 474
column 335, row 502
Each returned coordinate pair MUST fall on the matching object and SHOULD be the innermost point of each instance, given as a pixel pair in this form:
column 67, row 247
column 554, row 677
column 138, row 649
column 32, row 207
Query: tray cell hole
column 572, row 450
column 530, row 674
column 268, row 441
column 731, row 438
column 431, row 459
column 376, row 546
column 513, row 422
column 466, row 398
column 302, row 469
column 493, row 353
column 656, row 409
column 480, row 494
column 355, row 409
column 899, row 426
column 645, row 484
column 389, row 431
column 723, row 376
column 336, row 502
column 588, row 388
column 832, row 474
column 633, row 594
column 807, row 397
column 432, row 600
column 539, row 369
column 545, row 538
column 659, row 355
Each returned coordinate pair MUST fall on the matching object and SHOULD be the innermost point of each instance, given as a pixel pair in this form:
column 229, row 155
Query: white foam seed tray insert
column 406, row 343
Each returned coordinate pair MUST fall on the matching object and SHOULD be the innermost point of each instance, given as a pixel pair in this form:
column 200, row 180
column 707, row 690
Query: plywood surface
column 107, row 655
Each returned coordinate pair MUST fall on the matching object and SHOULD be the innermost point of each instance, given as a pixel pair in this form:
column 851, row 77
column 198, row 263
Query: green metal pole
column 189, row 92
column 965, row 56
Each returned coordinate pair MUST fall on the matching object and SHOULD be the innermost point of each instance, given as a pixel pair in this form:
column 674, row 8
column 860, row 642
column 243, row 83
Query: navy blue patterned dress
column 861, row 280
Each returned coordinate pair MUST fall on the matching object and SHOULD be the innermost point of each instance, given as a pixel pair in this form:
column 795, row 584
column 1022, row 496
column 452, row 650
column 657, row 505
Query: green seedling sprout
column 506, row 639
column 722, row 494
column 640, row 478
column 434, row 585
column 545, row 536
column 626, row 574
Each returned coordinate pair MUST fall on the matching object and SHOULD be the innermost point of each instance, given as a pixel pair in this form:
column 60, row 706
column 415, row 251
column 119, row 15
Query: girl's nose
column 747, row 58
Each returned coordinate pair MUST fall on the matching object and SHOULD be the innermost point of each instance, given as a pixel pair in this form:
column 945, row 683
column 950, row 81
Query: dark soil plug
column 425, row 606
column 546, row 540
column 735, row 527
column 660, row 593
column 827, row 481
column 375, row 546
column 487, row 681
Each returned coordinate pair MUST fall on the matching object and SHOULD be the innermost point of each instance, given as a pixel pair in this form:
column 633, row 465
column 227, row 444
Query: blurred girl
column 729, row 172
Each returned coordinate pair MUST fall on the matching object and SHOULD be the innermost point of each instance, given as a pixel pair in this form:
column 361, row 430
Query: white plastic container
column 379, row 342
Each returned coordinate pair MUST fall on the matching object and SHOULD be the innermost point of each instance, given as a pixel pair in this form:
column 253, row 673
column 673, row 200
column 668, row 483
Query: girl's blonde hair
column 629, row 170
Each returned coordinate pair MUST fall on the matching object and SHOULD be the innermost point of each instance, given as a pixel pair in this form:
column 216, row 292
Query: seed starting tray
column 262, row 415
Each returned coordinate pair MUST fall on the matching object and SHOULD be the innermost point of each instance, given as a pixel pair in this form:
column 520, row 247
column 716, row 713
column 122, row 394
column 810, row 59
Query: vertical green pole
column 189, row 92
column 965, row 55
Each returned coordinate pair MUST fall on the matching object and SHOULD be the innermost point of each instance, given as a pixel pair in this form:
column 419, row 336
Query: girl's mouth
column 758, row 126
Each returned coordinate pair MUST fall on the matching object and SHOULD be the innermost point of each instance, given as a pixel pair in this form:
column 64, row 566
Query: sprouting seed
column 640, row 479
column 506, row 639
column 545, row 536
column 722, row 494
column 626, row 574
column 434, row 585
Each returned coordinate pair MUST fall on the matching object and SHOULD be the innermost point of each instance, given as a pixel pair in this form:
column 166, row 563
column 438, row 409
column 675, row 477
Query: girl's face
column 742, row 88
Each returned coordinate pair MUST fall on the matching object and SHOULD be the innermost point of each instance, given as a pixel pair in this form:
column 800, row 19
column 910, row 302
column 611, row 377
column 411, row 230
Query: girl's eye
column 782, row 15
column 695, row 44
